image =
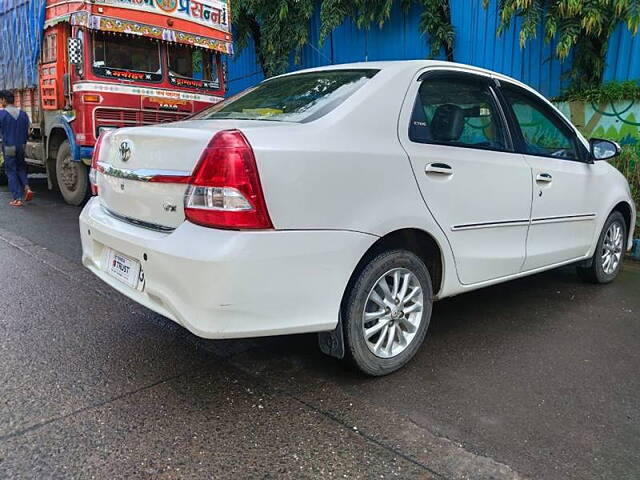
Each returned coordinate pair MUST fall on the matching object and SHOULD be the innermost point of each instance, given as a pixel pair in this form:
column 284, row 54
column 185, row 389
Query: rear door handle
column 544, row 178
column 439, row 168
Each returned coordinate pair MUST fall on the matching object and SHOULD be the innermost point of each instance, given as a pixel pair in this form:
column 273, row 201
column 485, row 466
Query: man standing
column 14, row 126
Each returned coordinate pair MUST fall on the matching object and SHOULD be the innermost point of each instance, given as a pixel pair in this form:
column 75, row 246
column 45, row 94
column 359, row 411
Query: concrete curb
column 635, row 251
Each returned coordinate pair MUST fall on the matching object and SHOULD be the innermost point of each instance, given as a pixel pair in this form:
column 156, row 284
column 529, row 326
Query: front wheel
column 607, row 259
column 72, row 177
column 387, row 312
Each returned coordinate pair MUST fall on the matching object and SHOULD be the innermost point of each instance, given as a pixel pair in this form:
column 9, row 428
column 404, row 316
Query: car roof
column 412, row 65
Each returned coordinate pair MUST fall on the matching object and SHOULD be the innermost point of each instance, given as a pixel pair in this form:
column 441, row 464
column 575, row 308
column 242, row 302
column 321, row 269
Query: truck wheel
column 73, row 179
column 387, row 311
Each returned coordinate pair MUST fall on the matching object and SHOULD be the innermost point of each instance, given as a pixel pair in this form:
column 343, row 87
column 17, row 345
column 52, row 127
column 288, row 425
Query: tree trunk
column 256, row 34
column 448, row 47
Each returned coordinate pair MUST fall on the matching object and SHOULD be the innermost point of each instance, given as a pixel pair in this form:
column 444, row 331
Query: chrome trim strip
column 140, row 175
column 475, row 226
column 519, row 223
column 564, row 218
column 138, row 223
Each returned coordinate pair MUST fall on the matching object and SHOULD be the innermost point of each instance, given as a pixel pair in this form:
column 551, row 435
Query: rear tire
column 72, row 177
column 386, row 312
column 607, row 259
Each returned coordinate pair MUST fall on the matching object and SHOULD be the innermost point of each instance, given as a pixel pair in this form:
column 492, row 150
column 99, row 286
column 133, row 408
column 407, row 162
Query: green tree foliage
column 579, row 26
column 278, row 28
column 435, row 21
column 362, row 12
column 281, row 27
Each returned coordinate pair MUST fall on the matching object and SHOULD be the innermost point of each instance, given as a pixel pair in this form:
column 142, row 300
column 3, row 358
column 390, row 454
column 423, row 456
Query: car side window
column 543, row 133
column 457, row 111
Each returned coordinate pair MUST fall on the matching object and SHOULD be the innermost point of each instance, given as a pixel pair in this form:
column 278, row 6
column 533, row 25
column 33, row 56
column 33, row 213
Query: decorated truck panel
column 80, row 67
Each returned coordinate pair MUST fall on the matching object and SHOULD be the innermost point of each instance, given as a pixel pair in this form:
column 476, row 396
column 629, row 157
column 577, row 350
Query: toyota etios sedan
column 346, row 199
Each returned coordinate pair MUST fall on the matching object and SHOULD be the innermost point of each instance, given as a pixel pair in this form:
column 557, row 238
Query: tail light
column 95, row 157
column 224, row 190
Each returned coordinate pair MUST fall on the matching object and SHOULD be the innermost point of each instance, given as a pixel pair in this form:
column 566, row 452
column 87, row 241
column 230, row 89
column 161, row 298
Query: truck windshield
column 293, row 98
column 193, row 67
column 115, row 56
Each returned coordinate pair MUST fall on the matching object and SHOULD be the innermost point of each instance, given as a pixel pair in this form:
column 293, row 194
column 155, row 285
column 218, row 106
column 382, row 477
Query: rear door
column 563, row 216
column 476, row 187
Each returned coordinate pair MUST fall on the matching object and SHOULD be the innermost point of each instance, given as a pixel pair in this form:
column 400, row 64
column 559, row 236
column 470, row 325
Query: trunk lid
column 130, row 156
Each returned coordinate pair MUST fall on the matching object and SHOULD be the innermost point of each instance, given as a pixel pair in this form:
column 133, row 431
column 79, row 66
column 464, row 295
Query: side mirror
column 603, row 149
column 74, row 51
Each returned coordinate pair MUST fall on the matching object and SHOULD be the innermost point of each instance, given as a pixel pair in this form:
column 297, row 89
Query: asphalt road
column 535, row 378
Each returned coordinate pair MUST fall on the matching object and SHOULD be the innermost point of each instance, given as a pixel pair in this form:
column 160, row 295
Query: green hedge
column 609, row 92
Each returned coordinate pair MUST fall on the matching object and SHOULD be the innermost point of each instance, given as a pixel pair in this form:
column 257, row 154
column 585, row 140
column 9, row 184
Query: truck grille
column 151, row 117
column 114, row 117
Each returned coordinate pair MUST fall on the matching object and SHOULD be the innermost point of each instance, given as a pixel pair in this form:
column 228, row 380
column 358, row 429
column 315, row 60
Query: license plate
column 125, row 269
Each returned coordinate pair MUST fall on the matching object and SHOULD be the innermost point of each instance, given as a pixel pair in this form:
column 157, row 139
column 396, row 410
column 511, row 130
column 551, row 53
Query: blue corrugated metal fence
column 476, row 44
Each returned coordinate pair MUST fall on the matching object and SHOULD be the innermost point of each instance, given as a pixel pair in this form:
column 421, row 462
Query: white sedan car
column 346, row 199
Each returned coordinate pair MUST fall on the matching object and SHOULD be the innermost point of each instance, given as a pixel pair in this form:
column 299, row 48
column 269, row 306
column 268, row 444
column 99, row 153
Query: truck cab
column 107, row 64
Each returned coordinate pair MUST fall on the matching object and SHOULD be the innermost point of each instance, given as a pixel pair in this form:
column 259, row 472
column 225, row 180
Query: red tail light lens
column 93, row 172
column 225, row 190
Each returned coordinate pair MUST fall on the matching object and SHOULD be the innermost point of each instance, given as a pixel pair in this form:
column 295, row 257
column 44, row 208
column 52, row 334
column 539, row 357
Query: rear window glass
column 294, row 98
column 457, row 111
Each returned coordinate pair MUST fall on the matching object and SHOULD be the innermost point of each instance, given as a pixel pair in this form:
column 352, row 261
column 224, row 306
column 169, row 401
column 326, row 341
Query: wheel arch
column 59, row 131
column 625, row 209
column 415, row 240
column 56, row 138
column 418, row 241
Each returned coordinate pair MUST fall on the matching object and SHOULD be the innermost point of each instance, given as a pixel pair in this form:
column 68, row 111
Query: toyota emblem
column 125, row 150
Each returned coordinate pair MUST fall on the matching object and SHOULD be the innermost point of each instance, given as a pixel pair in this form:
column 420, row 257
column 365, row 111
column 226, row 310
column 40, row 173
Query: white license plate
column 125, row 269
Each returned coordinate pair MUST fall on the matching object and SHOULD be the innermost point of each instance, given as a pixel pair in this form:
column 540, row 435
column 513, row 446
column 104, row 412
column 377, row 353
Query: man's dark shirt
column 14, row 131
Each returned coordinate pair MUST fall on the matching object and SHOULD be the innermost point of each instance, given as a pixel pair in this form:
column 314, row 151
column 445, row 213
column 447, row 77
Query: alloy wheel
column 393, row 312
column 612, row 248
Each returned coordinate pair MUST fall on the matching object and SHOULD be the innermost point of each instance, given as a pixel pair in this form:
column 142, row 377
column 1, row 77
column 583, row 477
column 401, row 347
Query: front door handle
column 544, row 178
column 439, row 168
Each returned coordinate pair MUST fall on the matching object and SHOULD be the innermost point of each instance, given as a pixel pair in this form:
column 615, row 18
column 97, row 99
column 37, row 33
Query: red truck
column 80, row 67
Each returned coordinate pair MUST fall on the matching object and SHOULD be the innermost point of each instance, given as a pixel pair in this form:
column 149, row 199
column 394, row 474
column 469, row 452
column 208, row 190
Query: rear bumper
column 229, row 284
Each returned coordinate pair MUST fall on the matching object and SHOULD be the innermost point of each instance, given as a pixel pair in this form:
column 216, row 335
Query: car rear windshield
column 293, row 98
